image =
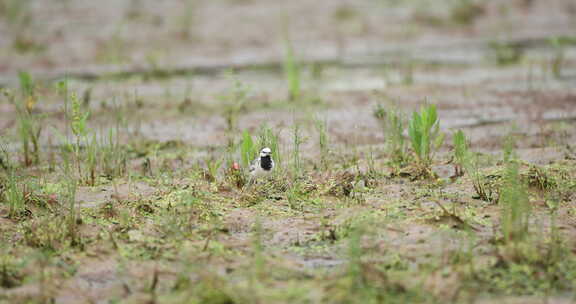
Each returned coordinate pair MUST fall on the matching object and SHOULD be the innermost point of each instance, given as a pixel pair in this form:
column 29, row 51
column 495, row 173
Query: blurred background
column 483, row 62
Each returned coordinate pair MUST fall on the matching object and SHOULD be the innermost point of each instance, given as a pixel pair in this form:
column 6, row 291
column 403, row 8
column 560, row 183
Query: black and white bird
column 263, row 164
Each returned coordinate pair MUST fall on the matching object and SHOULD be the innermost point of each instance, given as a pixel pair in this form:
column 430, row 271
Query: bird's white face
column 265, row 152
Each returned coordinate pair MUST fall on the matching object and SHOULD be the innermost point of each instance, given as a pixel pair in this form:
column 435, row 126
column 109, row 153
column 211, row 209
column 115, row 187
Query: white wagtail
column 263, row 164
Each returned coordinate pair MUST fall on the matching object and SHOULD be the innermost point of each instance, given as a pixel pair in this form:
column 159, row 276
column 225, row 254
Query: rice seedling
column 425, row 135
column 233, row 104
column 213, row 165
column 392, row 123
column 78, row 125
column 29, row 122
column 291, row 69
column 460, row 152
column 14, row 195
column 258, row 260
column 322, row 129
column 513, row 200
column 92, row 160
column 29, row 130
column 355, row 271
column 559, row 46
column 467, row 161
column 248, row 150
column 296, row 143
column 112, row 155
column 72, row 218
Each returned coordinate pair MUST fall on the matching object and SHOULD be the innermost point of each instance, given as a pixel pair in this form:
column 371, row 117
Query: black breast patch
column 266, row 163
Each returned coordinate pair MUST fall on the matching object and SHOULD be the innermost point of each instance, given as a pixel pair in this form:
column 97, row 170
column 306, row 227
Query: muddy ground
column 355, row 228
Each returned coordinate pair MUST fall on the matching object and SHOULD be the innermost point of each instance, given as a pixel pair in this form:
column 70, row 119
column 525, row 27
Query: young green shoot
column 322, row 128
column 393, row 125
column 233, row 103
column 291, row 69
column 296, row 142
column 425, row 135
column 460, row 152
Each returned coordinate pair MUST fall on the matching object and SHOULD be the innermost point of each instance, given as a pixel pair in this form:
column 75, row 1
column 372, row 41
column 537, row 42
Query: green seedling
column 513, row 198
column 425, row 135
column 393, row 126
column 259, row 260
column 29, row 123
column 73, row 232
column 514, row 204
column 78, row 124
column 92, row 160
column 29, row 130
column 291, row 69
column 297, row 142
column 322, row 128
column 213, row 165
column 233, row 103
column 467, row 161
column 460, row 152
column 248, row 150
column 113, row 156
column 14, row 195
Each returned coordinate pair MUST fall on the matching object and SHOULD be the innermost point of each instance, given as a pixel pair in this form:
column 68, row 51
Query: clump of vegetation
column 212, row 166
column 29, row 121
column 425, row 136
column 15, row 196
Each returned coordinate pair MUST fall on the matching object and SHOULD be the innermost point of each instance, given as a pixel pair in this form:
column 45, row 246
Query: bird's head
column 265, row 152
